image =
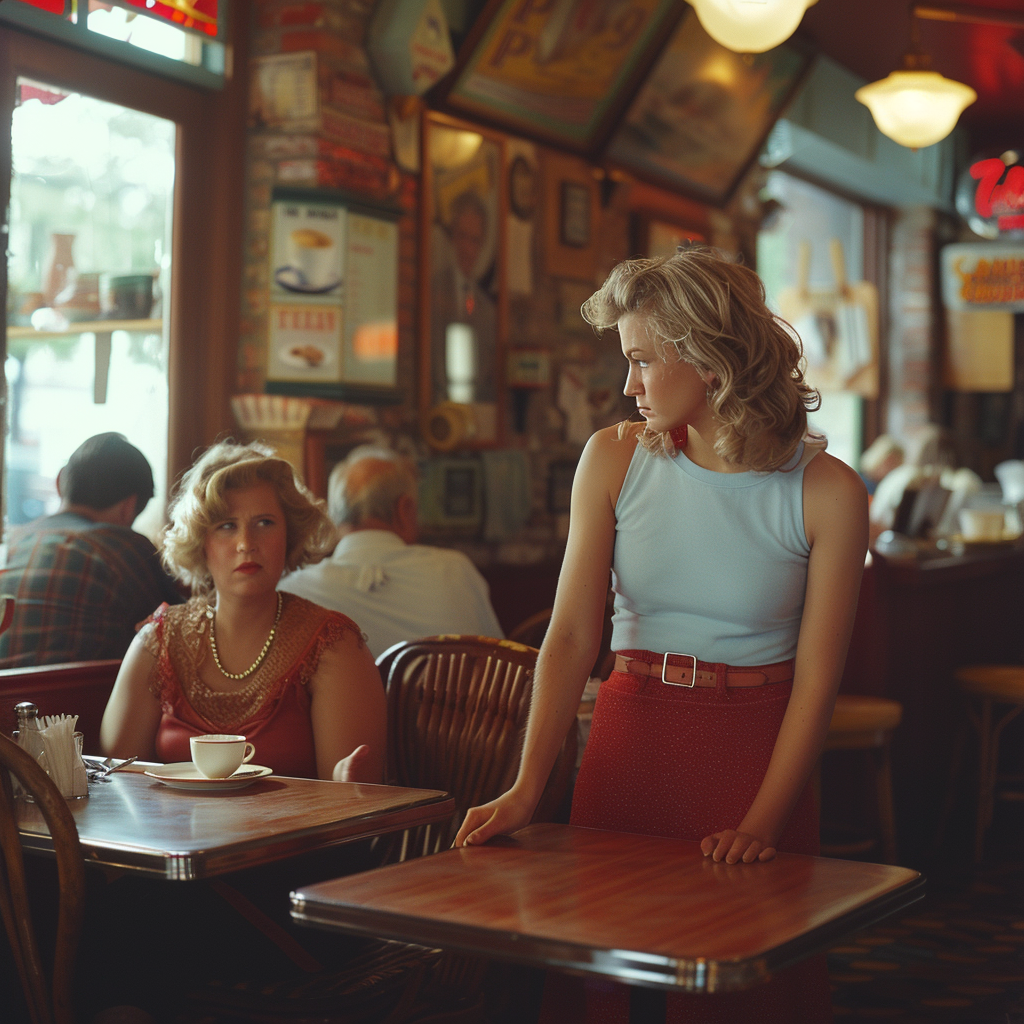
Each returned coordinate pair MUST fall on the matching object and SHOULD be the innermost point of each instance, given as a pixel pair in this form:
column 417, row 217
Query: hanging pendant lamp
column 750, row 26
column 916, row 106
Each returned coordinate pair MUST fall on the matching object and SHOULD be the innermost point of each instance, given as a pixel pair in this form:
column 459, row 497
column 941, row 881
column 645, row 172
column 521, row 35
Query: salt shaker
column 29, row 734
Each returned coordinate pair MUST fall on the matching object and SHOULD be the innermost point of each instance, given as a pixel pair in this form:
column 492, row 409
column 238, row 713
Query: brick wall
column 913, row 366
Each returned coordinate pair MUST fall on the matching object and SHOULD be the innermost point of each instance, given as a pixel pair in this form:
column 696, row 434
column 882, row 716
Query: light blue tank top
column 709, row 564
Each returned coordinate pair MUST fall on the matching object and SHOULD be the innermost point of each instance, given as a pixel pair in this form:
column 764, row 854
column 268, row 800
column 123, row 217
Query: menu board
column 333, row 312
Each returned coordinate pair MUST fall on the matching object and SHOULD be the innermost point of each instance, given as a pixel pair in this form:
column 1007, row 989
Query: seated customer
column 393, row 587
column 82, row 579
column 296, row 679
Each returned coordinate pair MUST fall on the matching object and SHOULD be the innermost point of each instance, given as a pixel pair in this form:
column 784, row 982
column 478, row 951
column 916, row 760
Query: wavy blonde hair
column 711, row 312
column 201, row 501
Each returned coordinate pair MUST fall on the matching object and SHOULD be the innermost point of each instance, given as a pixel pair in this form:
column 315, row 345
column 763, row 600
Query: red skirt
column 684, row 763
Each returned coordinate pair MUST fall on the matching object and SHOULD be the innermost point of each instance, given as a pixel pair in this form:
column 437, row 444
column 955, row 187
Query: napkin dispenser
column 56, row 746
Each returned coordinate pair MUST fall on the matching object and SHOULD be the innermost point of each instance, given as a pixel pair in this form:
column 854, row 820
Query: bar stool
column 987, row 686
column 867, row 724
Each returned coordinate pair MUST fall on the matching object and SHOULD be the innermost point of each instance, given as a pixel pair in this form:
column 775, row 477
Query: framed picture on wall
column 333, row 312
column 703, row 113
column 561, row 71
column 462, row 280
column 575, row 214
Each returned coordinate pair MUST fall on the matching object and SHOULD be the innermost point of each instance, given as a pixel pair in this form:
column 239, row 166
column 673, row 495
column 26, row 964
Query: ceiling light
column 916, row 107
column 750, row 26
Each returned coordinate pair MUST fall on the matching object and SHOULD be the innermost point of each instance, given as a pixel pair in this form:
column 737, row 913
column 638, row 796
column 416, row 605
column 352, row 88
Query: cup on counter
column 219, row 755
column 982, row 523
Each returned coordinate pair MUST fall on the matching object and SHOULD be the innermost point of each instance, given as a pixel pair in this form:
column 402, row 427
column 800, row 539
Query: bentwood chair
column 47, row 1003
column 457, row 708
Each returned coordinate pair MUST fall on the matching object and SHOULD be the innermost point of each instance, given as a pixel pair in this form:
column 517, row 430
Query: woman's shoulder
column 612, row 448
column 316, row 619
column 826, row 473
column 835, row 499
column 175, row 617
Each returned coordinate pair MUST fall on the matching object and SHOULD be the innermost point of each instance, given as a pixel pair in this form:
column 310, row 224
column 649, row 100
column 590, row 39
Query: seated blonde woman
column 294, row 678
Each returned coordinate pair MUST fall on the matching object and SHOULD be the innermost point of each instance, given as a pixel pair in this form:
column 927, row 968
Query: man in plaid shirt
column 83, row 579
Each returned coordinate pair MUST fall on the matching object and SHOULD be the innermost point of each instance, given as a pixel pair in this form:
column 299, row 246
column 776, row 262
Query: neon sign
column 1000, row 192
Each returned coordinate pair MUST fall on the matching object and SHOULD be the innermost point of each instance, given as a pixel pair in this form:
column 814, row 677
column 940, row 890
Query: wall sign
column 333, row 294
column 990, row 195
column 983, row 277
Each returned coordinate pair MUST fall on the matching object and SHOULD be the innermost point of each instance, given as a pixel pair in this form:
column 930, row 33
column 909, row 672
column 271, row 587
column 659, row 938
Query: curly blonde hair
column 711, row 312
column 200, row 501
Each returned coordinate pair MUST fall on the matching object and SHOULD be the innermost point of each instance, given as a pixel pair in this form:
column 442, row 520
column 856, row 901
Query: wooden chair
column 995, row 697
column 867, row 724
column 46, row 1003
column 72, row 688
column 457, row 708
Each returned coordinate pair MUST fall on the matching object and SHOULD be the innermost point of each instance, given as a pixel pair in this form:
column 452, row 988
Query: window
column 181, row 38
column 807, row 251
column 88, row 271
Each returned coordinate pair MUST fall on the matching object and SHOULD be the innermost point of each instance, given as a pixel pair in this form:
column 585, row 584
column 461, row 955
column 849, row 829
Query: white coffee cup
column 219, row 755
column 314, row 255
column 982, row 523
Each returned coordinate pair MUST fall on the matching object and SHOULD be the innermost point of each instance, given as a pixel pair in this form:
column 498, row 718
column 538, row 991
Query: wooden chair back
column 457, row 708
column 47, row 1004
column 74, row 688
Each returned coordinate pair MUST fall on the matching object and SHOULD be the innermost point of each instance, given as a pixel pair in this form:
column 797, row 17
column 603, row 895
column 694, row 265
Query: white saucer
column 293, row 280
column 185, row 775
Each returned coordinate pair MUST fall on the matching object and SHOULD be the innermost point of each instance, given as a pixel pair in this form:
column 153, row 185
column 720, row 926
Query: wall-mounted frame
column 333, row 314
column 462, row 279
column 572, row 211
column 703, row 113
column 574, row 215
column 560, row 72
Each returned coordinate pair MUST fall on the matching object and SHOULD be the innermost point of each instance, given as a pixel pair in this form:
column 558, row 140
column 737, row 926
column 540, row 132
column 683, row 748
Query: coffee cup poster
column 333, row 295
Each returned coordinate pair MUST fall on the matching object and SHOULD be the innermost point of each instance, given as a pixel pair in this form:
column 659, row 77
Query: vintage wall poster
column 333, row 294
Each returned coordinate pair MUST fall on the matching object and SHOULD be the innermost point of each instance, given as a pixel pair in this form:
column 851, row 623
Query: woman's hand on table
column 734, row 846
column 500, row 817
column 357, row 767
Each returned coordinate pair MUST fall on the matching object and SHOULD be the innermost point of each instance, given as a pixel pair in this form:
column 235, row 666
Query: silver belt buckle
column 664, row 665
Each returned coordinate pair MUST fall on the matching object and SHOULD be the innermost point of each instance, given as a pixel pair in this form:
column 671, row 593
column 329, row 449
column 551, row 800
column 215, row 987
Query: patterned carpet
column 957, row 957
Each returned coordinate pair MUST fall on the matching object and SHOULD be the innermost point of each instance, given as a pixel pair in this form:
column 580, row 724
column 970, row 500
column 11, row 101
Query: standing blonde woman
column 735, row 546
column 296, row 679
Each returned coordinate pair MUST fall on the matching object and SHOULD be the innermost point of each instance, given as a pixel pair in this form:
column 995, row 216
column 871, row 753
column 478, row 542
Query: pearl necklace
column 266, row 647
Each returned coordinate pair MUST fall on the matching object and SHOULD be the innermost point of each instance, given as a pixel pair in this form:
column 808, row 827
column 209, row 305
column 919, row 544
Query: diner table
column 130, row 820
column 639, row 909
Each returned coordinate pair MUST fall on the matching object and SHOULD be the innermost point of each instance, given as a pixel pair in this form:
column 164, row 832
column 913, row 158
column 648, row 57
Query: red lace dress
column 271, row 710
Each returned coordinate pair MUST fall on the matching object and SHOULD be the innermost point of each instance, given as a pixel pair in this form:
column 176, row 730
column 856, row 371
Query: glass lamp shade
column 916, row 108
column 750, row 26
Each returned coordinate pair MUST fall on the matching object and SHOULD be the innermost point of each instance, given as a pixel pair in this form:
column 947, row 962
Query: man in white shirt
column 392, row 587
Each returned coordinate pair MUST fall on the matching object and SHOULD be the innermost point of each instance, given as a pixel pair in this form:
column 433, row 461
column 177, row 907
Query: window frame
column 204, row 305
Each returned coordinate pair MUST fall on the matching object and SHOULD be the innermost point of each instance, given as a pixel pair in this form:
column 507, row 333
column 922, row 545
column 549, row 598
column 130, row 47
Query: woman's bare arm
column 348, row 711
column 836, row 522
column 132, row 715
column 573, row 637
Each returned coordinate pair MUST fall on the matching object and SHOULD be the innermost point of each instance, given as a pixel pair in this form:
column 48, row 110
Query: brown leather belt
column 685, row 670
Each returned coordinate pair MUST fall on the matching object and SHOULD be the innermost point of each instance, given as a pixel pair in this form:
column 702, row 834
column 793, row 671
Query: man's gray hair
column 355, row 497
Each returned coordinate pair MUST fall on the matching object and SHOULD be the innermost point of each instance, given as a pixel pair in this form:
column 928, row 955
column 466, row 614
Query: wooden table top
column 130, row 820
column 640, row 909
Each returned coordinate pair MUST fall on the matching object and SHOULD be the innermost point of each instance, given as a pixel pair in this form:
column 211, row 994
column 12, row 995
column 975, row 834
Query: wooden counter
column 917, row 622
